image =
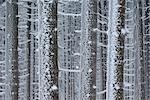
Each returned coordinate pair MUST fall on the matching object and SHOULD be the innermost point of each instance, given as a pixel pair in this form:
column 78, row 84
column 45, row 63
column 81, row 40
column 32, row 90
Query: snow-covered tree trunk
column 12, row 22
column 131, row 52
column 102, row 41
column 91, row 46
column 24, row 28
column 49, row 68
column 144, row 51
column 34, row 21
column 116, row 49
column 119, row 60
column 4, row 59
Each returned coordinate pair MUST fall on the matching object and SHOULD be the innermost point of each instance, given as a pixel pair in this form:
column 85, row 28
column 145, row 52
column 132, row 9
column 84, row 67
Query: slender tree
column 116, row 50
column 12, row 22
column 120, row 49
column 49, row 52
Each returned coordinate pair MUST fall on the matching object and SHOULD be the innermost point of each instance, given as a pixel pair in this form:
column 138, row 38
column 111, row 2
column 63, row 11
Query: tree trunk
column 12, row 22
column 49, row 52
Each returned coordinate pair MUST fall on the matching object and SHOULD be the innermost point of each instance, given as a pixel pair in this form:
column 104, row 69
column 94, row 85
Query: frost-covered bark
column 49, row 68
column 102, row 41
column 116, row 50
column 77, row 49
column 12, row 22
column 70, row 49
column 91, row 46
column 23, row 50
column 144, row 51
column 131, row 52
column 120, row 50
column 3, row 54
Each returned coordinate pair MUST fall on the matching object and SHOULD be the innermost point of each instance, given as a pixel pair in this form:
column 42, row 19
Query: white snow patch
column 127, row 84
column 94, row 29
column 93, row 53
column 52, row 53
column 89, row 42
column 90, row 70
column 54, row 87
column 77, row 67
column 55, row 29
column 46, row 46
column 37, row 50
column 77, row 31
column 123, row 31
column 50, row 36
column 77, row 54
column 117, row 86
column 88, row 95
column 94, row 87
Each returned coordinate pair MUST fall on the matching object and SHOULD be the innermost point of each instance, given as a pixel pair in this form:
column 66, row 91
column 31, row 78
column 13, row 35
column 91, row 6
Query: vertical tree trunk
column 12, row 12
column 102, row 41
column 120, row 49
column 145, row 51
column 28, row 47
column 116, row 50
column 49, row 52
column 92, row 36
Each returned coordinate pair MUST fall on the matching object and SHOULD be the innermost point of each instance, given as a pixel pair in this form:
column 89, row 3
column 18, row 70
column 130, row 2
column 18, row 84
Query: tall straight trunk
column 54, row 49
column 116, row 38
column 12, row 22
column 28, row 45
column 145, row 51
column 92, row 24
column 120, row 50
column 49, row 52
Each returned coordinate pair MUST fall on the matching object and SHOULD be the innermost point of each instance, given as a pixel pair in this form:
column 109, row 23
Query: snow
column 68, row 14
column 77, row 54
column 123, row 31
column 89, row 42
column 88, row 95
column 93, row 53
column 90, row 70
column 101, row 92
column 127, row 84
column 69, row 70
column 116, row 86
column 46, row 46
column 111, row 50
column 78, row 31
column 55, row 29
column 77, row 67
column 52, row 53
column 54, row 87
column 37, row 50
column 94, row 87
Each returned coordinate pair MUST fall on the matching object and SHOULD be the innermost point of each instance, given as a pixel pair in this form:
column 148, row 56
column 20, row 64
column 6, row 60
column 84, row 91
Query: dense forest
column 74, row 49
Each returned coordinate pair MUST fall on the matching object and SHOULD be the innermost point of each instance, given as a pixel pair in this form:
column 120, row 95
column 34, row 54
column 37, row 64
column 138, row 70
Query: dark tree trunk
column 12, row 22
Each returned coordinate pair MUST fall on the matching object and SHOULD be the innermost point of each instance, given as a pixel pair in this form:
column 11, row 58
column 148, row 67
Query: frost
column 89, row 42
column 94, row 87
column 90, row 70
column 54, row 87
column 55, row 29
column 123, row 31
column 88, row 95
column 52, row 53
column 127, row 84
column 77, row 67
column 116, row 86
column 77, row 54
column 37, row 50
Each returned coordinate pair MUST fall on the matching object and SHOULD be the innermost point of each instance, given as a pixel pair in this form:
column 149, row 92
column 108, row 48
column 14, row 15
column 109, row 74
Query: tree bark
column 12, row 12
